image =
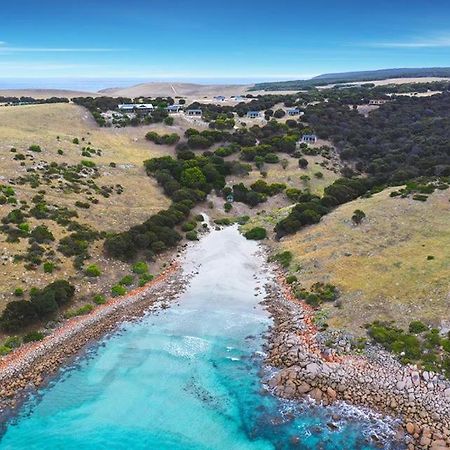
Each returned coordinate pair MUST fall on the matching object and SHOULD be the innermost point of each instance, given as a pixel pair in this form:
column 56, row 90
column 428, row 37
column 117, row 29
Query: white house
column 253, row 114
column 309, row 138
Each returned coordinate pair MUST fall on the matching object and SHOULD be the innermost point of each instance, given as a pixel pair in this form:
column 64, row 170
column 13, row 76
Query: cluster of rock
column 376, row 380
column 30, row 365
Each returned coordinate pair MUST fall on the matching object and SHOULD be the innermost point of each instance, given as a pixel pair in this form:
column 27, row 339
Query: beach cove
column 188, row 376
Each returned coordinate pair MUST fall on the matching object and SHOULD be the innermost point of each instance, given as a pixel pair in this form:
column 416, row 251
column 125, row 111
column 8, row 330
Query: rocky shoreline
column 306, row 367
column 32, row 364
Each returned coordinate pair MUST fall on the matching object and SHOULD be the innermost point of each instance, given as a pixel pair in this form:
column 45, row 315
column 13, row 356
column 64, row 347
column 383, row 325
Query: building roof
column 309, row 136
column 135, row 106
column 194, row 110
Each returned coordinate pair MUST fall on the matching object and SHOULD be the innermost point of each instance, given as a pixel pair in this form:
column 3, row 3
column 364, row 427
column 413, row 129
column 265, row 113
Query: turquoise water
column 186, row 377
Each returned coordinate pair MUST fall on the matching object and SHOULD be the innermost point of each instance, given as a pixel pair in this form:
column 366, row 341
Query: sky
column 235, row 39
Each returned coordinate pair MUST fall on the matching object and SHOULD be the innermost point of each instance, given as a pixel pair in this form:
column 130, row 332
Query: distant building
column 377, row 102
column 253, row 114
column 174, row 108
column 219, row 98
column 238, row 98
column 309, row 138
column 194, row 112
column 136, row 107
column 293, row 112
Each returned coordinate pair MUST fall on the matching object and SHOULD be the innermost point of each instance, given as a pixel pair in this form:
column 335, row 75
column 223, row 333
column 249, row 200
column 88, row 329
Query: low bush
column 99, row 299
column 192, row 235
column 33, row 336
column 93, row 270
column 140, row 268
column 83, row 310
column 282, row 258
column 118, row 290
column 256, row 233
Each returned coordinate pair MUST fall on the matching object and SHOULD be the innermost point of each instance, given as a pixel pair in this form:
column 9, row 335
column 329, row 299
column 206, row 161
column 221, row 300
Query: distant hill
column 156, row 89
column 354, row 77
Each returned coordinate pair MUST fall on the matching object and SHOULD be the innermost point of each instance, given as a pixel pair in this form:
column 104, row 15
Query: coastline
column 306, row 368
column 31, row 365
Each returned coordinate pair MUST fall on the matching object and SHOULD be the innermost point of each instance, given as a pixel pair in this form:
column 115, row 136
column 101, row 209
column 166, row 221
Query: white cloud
column 433, row 42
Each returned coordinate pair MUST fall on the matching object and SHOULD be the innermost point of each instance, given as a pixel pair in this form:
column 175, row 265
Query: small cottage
column 293, row 112
column 174, row 108
column 309, row 139
column 194, row 112
column 253, row 114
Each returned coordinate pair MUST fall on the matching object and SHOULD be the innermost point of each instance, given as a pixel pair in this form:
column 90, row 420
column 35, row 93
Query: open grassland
column 395, row 265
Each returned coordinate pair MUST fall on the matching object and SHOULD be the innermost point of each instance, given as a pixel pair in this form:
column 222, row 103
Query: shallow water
column 183, row 378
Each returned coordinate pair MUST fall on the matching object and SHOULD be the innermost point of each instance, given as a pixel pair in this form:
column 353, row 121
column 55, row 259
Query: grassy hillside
column 393, row 266
column 117, row 197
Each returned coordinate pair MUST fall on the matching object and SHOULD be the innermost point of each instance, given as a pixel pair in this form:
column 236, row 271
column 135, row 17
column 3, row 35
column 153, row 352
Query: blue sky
column 237, row 39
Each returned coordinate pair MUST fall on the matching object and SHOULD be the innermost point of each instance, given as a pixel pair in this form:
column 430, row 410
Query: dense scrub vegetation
column 31, row 101
column 420, row 344
column 42, row 305
column 399, row 141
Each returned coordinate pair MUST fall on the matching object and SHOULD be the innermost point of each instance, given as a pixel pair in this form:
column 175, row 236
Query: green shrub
column 42, row 234
column 188, row 226
column 13, row 342
column 417, row 327
column 93, row 270
column 282, row 258
column 4, row 350
column 35, row 148
column 144, row 279
column 75, row 141
column 49, row 267
column 99, row 299
column 60, row 152
column 446, row 344
column 227, row 206
column 192, row 236
column 33, row 336
column 83, row 310
column 140, row 267
column 18, row 292
column 127, row 280
column 256, row 233
column 420, row 197
column 291, row 279
column 118, row 290
column 90, row 164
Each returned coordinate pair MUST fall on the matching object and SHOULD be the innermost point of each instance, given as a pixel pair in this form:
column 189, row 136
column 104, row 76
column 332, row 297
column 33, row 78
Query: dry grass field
column 393, row 266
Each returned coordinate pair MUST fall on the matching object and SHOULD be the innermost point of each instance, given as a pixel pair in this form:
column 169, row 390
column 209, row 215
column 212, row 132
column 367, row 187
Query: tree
column 18, row 314
column 303, row 163
column 358, row 216
column 193, row 177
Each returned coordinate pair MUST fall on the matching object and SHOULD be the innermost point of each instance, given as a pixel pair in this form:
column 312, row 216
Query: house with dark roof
column 219, row 98
column 194, row 112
